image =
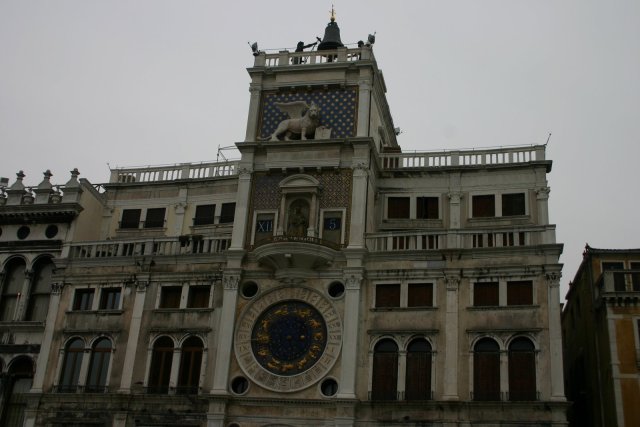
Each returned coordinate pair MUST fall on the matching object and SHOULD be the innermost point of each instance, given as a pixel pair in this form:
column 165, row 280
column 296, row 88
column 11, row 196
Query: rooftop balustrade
column 287, row 58
column 173, row 172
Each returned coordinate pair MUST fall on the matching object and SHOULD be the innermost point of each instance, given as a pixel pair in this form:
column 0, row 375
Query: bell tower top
column 331, row 39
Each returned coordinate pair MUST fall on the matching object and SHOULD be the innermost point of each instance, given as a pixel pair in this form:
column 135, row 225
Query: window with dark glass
column 110, row 298
column 227, row 212
column 635, row 277
column 198, row 296
column 98, row 366
column 522, row 370
column 170, row 296
column 384, row 385
column 398, row 207
column 40, row 291
column 486, row 370
column 16, row 384
column 83, row 299
column 418, row 378
column 486, row 294
column 427, row 208
column 513, row 204
column 483, row 206
column 420, row 295
column 388, row 295
column 71, row 366
column 190, row 362
column 618, row 278
column 11, row 288
column 154, row 218
column 332, row 227
column 264, row 226
column 520, row 292
column 130, row 218
column 160, row 370
column 205, row 214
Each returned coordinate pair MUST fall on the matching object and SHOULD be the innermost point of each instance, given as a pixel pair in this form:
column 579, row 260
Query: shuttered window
column 398, row 207
column 190, row 363
column 227, row 212
column 170, row 296
column 160, row 370
column 522, row 370
column 513, row 204
column 418, row 378
column 618, row 278
column 635, row 277
column 520, row 292
column 485, row 294
column 483, row 206
column 154, row 218
column 427, row 208
column 385, row 371
column 205, row 214
column 130, row 218
column 198, row 296
column 486, row 370
column 388, row 295
column 420, row 295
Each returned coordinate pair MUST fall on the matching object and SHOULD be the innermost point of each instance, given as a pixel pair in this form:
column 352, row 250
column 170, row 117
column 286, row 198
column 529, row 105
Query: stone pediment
column 299, row 181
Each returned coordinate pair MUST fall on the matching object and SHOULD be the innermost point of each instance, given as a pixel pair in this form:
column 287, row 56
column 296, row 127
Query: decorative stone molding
column 56, row 288
column 542, row 193
column 230, row 282
column 553, row 279
column 353, row 282
column 452, row 282
column 455, row 197
column 141, row 285
column 180, row 208
column 244, row 172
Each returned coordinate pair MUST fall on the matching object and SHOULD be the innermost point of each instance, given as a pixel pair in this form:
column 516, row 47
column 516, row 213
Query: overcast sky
column 90, row 83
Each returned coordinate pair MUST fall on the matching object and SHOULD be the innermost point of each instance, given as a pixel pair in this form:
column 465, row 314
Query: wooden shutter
column 418, row 379
column 398, row 207
column 388, row 295
column 154, row 218
column 522, row 370
column 484, row 206
column 130, row 218
column 485, row 294
column 205, row 214
column 513, row 204
column 420, row 295
column 520, row 292
column 385, row 371
column 486, row 370
column 427, row 207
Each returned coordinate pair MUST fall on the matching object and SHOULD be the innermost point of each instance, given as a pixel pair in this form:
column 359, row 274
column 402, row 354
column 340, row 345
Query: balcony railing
column 620, row 281
column 173, row 172
column 460, row 239
column 439, row 159
column 163, row 246
column 297, row 239
column 286, row 58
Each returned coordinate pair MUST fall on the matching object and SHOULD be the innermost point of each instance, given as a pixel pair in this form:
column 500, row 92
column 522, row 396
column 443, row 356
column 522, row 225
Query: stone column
column 402, row 373
column 242, row 210
column 358, row 206
column 455, row 198
column 23, row 297
column 364, row 106
column 134, row 335
column 451, row 356
column 555, row 337
column 226, row 328
column 349, row 357
column 254, row 111
column 542, row 197
column 47, row 338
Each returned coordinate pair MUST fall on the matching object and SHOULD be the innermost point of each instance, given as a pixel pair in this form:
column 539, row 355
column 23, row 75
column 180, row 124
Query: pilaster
column 47, row 338
column 230, row 282
column 452, row 283
column 134, row 335
column 353, row 283
column 555, row 337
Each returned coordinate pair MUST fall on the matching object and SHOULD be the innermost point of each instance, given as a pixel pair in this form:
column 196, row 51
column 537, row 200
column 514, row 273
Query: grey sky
column 83, row 83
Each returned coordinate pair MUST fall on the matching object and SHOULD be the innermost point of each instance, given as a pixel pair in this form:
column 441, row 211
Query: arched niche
column 299, row 206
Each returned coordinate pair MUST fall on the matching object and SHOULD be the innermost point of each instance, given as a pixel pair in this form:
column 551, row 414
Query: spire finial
column 333, row 14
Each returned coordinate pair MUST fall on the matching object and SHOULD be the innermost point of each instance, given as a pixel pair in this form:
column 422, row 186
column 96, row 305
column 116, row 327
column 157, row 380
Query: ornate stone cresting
column 298, row 124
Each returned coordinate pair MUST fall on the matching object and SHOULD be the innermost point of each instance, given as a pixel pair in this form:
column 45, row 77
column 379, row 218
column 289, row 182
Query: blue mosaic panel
column 337, row 110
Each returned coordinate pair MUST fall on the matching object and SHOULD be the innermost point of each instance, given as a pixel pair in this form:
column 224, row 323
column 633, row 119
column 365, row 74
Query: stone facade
column 329, row 281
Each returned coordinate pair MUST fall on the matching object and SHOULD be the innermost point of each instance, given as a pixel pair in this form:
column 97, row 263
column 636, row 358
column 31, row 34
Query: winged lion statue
column 298, row 124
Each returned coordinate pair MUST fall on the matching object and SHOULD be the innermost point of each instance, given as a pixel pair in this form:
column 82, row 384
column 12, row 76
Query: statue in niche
column 298, row 222
column 298, row 125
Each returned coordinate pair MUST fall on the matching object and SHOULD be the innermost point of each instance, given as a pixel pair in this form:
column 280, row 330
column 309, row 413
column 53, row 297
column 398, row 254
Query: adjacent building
column 601, row 331
column 325, row 278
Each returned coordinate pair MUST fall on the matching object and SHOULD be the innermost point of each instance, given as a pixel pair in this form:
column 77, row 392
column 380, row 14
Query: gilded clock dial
column 289, row 337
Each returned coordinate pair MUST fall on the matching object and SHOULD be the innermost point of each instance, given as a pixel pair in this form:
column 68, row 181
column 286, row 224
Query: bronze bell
column 331, row 39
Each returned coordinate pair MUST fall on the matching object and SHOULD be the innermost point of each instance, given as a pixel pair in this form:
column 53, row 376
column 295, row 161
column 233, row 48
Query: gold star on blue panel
column 337, row 110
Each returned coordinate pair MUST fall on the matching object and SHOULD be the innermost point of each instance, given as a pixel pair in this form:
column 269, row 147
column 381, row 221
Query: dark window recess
column 170, row 296
column 83, row 299
column 520, row 292
column 513, row 204
column 332, row 226
column 418, row 379
column 398, row 208
column 618, row 278
column 329, row 387
column 227, row 212
column 71, row 366
column 264, row 226
column 385, row 371
column 98, row 366
column 110, row 298
column 23, row 232
column 198, row 296
column 635, row 277
column 420, row 295
column 427, row 208
column 485, row 294
column 51, row 231
column 388, row 295
column 160, row 370
column 190, row 364
column 486, row 370
column 522, row 370
column 484, row 206
column 205, row 215
column 130, row 218
column 155, row 218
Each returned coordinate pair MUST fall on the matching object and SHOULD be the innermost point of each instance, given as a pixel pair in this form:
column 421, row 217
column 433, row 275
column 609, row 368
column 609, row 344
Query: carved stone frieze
column 452, row 282
column 542, row 193
column 553, row 278
column 230, row 282
column 353, row 282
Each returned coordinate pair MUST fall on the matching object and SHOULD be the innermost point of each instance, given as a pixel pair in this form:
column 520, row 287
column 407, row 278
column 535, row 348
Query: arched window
column 71, row 366
column 18, row 383
column 40, row 291
column 522, row 370
column 11, row 289
column 99, row 366
column 160, row 370
column 385, row 371
column 418, row 378
column 486, row 370
column 190, row 364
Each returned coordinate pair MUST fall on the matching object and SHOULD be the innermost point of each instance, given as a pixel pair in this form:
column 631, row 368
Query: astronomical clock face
column 288, row 339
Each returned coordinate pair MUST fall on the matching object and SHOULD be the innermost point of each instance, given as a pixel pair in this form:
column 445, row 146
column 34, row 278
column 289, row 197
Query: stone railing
column 285, row 57
column 173, row 172
column 619, row 281
column 437, row 159
column 459, row 239
column 163, row 246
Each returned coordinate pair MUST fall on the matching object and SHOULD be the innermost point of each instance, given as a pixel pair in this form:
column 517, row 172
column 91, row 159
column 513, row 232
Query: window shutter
column 420, row 295
column 398, row 207
column 520, row 292
column 388, row 295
